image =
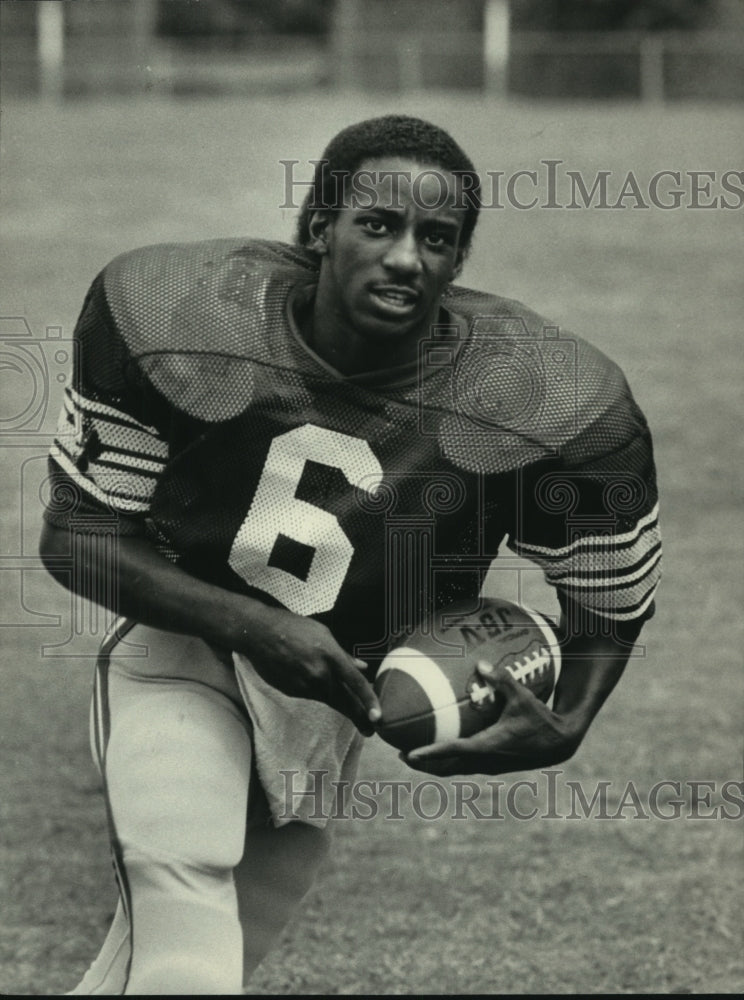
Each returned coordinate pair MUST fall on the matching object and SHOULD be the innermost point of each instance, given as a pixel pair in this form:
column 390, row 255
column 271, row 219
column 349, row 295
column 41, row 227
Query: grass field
column 448, row 906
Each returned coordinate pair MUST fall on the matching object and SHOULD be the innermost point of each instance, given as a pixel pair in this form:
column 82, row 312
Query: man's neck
column 335, row 340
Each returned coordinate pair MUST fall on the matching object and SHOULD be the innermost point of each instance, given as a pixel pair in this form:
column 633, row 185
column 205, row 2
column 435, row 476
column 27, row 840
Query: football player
column 273, row 461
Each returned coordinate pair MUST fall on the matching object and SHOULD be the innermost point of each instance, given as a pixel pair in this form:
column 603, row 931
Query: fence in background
column 56, row 50
column 647, row 66
column 651, row 66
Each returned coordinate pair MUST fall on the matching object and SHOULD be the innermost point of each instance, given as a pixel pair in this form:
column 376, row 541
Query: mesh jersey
column 198, row 415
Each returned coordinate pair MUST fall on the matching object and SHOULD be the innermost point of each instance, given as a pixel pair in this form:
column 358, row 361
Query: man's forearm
column 592, row 666
column 146, row 586
column 297, row 655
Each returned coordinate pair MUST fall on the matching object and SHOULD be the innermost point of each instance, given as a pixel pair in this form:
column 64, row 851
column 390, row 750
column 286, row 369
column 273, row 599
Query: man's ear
column 319, row 226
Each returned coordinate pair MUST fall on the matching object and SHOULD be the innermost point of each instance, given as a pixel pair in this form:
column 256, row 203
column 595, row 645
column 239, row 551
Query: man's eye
column 437, row 240
column 375, row 226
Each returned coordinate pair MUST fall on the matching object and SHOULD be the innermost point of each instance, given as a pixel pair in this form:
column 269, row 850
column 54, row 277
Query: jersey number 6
column 276, row 510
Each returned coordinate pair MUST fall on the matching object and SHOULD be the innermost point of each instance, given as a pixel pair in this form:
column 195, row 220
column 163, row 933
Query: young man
column 251, row 422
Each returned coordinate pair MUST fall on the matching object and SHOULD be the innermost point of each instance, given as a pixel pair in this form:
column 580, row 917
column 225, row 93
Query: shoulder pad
column 195, row 316
column 522, row 389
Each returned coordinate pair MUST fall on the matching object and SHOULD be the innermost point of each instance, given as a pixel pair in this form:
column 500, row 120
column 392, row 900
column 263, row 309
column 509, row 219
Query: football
column 428, row 687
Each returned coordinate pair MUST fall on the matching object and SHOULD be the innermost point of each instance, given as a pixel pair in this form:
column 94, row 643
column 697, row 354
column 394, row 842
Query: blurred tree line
column 612, row 15
column 234, row 22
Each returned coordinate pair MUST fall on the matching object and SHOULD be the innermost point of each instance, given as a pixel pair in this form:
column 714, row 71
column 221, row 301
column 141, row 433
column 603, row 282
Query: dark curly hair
column 390, row 135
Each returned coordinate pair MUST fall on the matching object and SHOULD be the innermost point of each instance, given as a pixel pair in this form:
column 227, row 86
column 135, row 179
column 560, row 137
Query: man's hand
column 300, row 657
column 527, row 735
column 295, row 654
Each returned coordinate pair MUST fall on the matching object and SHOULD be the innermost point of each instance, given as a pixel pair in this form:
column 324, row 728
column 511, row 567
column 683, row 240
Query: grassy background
column 449, row 906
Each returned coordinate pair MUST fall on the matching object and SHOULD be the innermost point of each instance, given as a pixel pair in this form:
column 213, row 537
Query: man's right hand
column 297, row 655
column 300, row 657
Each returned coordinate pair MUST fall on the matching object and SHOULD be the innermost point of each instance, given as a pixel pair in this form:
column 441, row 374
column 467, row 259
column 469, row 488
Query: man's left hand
column 527, row 735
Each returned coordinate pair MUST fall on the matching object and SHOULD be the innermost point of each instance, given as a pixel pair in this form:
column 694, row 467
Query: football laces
column 530, row 666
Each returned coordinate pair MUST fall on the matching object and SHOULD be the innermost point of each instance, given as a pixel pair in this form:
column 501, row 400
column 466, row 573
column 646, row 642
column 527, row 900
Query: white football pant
column 206, row 882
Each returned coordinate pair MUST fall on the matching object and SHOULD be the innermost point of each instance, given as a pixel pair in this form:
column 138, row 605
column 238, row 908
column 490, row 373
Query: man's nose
column 403, row 254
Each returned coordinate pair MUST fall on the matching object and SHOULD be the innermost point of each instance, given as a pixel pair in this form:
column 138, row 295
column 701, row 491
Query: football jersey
column 200, row 417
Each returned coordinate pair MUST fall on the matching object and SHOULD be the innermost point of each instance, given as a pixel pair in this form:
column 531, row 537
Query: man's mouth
column 396, row 298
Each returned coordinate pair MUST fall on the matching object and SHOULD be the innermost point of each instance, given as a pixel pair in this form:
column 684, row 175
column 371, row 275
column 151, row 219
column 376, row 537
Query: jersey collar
column 450, row 333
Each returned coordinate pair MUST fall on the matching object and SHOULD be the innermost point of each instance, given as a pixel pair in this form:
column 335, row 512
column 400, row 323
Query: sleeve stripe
column 617, row 573
column 68, row 431
column 591, row 544
column 619, row 610
column 143, row 460
column 630, row 611
column 612, row 603
column 141, row 463
column 139, row 439
column 142, row 467
column 594, row 541
column 118, row 498
column 86, row 405
column 108, row 454
column 618, row 581
column 601, row 558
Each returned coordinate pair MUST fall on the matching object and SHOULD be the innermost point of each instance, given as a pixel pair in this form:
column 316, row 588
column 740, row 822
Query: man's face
column 392, row 250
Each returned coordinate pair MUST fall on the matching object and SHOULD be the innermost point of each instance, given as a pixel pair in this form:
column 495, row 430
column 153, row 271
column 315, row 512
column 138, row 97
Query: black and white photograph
column 371, row 478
